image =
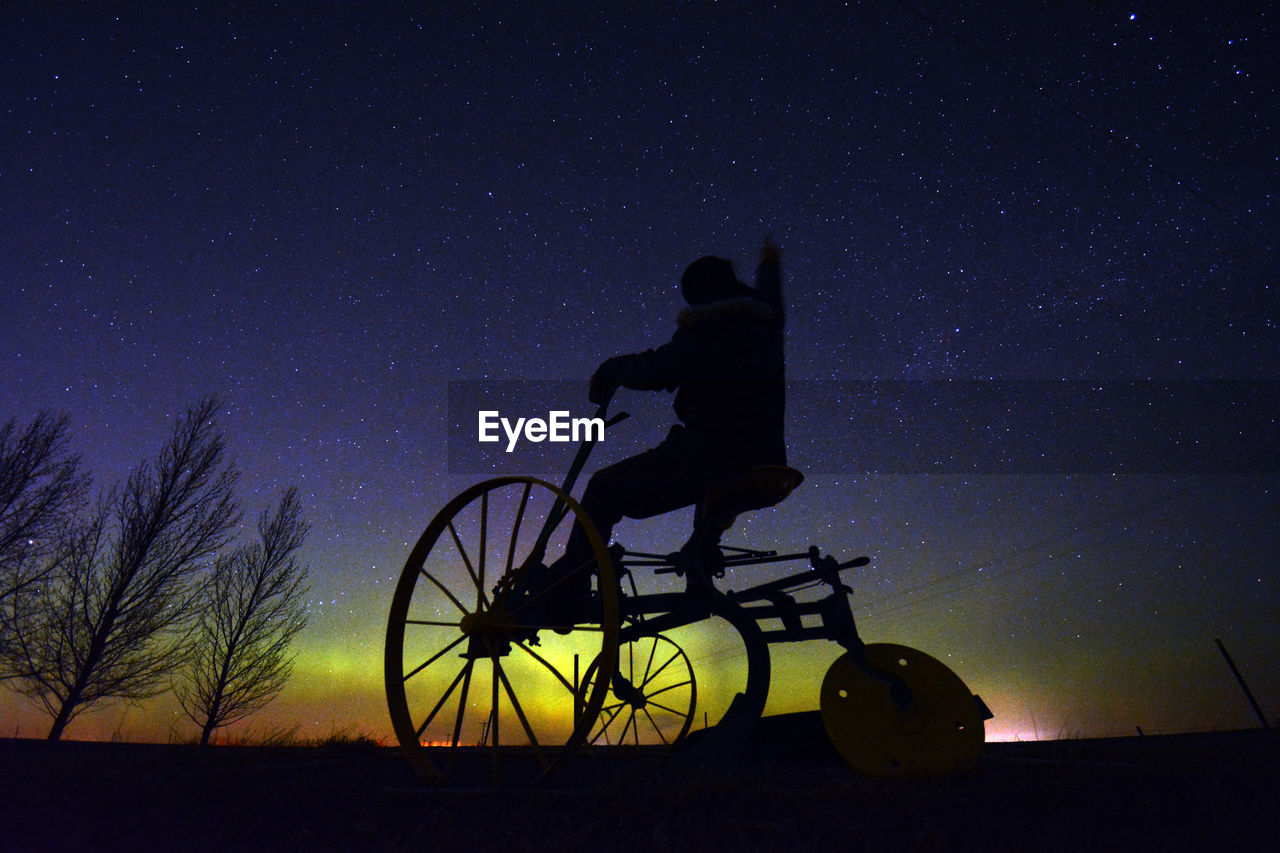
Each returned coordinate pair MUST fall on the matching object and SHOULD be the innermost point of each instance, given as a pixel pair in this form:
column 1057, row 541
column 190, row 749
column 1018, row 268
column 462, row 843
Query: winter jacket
column 725, row 363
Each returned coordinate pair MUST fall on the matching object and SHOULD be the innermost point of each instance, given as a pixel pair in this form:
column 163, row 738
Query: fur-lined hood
column 735, row 307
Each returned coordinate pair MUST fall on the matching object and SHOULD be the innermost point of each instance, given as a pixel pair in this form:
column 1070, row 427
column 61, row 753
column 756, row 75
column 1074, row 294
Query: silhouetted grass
column 285, row 736
column 347, row 793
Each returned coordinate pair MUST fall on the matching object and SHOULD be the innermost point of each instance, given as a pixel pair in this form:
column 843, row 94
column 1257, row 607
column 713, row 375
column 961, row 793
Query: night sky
column 325, row 213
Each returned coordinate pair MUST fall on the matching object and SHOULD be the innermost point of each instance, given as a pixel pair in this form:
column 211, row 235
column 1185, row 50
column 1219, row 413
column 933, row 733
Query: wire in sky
column 1127, row 519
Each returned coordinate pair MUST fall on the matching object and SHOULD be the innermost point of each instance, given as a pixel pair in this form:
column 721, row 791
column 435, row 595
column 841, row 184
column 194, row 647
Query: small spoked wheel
column 483, row 651
column 933, row 728
column 652, row 695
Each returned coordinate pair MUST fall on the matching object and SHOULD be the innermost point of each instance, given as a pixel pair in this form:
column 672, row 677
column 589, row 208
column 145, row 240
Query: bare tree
column 117, row 609
column 253, row 609
column 42, row 489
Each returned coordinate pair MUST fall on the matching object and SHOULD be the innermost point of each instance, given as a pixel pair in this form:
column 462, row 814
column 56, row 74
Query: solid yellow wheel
column 472, row 659
column 652, row 695
column 935, row 731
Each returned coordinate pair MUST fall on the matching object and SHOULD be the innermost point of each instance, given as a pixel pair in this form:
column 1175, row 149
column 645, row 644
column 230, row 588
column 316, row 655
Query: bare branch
column 119, row 604
column 253, row 610
column 42, row 488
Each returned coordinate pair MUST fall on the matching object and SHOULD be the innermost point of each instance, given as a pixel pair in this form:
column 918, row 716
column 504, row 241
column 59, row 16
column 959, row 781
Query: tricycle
column 473, row 662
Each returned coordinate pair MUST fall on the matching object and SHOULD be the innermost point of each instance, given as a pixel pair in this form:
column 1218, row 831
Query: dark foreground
column 1187, row 792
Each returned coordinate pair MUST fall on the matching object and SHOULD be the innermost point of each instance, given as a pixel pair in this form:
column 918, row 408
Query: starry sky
column 325, row 213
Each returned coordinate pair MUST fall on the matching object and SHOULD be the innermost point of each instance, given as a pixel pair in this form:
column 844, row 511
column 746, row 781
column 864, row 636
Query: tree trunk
column 72, row 700
column 206, row 732
column 211, row 721
column 60, row 721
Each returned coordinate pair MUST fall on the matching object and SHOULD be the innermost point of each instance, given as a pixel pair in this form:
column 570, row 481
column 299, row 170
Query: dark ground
column 1183, row 792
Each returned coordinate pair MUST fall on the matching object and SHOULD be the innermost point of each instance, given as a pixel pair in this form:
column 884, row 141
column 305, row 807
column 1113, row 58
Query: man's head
column 708, row 279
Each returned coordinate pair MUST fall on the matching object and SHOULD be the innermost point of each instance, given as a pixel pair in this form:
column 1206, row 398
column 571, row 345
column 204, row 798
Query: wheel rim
column 651, row 699
column 467, row 662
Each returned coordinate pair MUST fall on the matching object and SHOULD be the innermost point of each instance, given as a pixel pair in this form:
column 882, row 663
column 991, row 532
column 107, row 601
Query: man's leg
column 660, row 480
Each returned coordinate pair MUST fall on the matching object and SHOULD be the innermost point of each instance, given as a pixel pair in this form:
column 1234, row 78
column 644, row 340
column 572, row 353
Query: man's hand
column 770, row 254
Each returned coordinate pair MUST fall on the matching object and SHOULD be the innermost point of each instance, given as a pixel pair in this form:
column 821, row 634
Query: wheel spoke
column 462, row 706
column 604, row 727
column 540, row 659
column 466, row 670
column 649, row 678
column 440, row 586
column 630, row 720
column 466, row 561
column 420, row 667
column 653, row 651
column 667, row 709
column 524, row 721
column 431, row 623
column 662, row 690
column 655, row 727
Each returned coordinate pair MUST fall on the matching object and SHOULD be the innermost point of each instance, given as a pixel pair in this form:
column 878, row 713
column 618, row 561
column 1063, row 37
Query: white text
column 557, row 427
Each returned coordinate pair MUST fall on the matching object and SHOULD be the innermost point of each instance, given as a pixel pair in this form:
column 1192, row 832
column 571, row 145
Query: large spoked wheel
column 936, row 730
column 482, row 653
column 651, row 698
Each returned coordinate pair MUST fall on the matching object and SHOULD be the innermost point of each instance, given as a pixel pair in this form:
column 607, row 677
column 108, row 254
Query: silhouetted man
column 725, row 363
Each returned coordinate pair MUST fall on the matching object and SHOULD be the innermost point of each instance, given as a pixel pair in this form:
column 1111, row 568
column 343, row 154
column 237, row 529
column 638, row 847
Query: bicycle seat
column 755, row 488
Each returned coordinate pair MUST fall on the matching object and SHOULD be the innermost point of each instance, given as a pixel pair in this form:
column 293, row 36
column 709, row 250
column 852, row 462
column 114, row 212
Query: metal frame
column 912, row 707
column 650, row 614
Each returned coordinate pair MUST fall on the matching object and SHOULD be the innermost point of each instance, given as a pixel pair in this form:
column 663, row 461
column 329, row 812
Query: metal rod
column 1248, row 694
column 781, row 584
column 577, row 697
column 556, row 514
column 584, row 449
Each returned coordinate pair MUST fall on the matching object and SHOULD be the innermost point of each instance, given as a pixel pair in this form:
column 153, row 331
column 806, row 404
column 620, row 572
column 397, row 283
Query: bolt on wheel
column 935, row 728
